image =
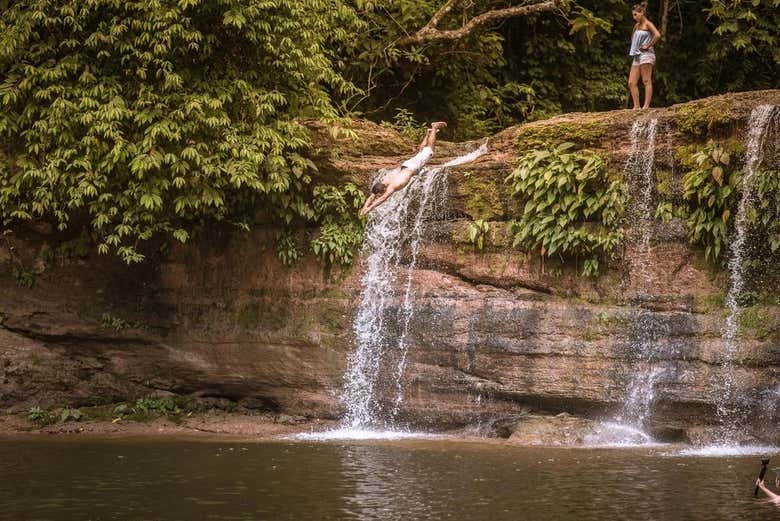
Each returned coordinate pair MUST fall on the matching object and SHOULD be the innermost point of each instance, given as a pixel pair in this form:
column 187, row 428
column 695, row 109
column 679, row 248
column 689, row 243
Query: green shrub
column 763, row 211
column 38, row 415
column 108, row 321
column 69, row 414
column 142, row 119
column 287, row 248
column 476, row 232
column 24, row 277
column 405, row 123
column 341, row 228
column 162, row 406
column 572, row 208
column 710, row 189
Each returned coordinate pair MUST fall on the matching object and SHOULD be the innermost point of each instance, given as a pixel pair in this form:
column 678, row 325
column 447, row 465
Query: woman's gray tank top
column 638, row 39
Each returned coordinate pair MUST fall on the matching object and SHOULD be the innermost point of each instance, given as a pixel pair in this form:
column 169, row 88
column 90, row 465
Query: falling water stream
column 730, row 408
column 381, row 324
column 628, row 426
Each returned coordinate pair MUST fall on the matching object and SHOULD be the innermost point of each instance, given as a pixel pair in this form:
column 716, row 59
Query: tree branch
column 429, row 31
column 441, row 13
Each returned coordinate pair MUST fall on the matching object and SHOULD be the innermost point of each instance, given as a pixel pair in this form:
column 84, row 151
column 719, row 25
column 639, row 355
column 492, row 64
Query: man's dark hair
column 378, row 188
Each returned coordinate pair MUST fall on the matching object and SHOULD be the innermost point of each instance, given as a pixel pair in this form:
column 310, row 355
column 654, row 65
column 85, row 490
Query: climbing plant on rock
column 572, row 207
column 140, row 118
column 710, row 188
column 341, row 229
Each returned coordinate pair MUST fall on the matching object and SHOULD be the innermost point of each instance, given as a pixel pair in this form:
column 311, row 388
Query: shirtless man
column 397, row 178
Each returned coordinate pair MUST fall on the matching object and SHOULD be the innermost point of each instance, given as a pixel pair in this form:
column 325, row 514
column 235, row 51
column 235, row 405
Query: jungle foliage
column 572, row 207
column 712, row 185
column 149, row 118
column 146, row 117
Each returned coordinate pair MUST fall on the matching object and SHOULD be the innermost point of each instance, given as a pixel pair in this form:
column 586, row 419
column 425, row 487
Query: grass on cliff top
column 546, row 134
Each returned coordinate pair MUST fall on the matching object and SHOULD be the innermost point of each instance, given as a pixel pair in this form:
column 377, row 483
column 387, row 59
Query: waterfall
column 382, row 327
column 638, row 399
column 728, row 407
column 640, row 166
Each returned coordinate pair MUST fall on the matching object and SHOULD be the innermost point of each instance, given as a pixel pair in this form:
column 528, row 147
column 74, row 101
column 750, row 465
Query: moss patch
column 759, row 322
column 262, row 316
column 482, row 197
column 712, row 303
column 584, row 134
column 704, row 117
column 684, row 153
column 604, row 324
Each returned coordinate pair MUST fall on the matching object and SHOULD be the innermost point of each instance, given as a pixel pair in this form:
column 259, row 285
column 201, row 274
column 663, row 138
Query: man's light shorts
column 417, row 162
column 644, row 58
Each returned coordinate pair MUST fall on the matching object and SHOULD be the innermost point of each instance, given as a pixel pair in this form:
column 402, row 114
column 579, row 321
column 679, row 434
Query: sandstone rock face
column 559, row 430
column 498, row 338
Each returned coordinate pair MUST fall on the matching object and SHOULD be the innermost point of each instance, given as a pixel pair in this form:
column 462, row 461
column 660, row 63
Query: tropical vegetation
column 144, row 120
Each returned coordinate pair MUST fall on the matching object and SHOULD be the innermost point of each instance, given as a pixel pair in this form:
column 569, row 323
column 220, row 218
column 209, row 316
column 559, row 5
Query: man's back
column 398, row 178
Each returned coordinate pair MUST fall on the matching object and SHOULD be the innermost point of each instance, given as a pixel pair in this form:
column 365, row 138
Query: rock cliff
column 499, row 335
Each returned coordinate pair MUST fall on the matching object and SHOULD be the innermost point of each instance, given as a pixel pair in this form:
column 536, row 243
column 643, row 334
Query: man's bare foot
column 438, row 124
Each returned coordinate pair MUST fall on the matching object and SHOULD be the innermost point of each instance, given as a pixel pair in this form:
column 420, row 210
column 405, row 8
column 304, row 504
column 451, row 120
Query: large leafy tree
column 137, row 118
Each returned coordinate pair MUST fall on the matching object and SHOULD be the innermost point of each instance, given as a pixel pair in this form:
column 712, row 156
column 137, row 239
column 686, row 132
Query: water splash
column 615, row 434
column 720, row 451
column 730, row 409
column 349, row 433
column 382, row 335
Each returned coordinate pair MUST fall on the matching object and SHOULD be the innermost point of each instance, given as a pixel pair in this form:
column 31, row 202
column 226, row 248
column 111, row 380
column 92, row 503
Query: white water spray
column 382, row 339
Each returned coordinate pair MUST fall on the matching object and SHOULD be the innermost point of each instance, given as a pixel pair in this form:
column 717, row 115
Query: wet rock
column 560, row 430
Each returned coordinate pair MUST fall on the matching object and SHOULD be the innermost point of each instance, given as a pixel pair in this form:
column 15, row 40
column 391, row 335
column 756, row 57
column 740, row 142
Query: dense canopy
column 133, row 119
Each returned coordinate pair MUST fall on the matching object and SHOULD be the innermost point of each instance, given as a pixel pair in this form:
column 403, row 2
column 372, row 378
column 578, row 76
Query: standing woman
column 645, row 35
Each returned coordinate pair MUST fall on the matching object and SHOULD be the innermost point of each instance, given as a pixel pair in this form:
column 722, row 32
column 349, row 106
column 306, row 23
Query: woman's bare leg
column 646, row 72
column 633, row 81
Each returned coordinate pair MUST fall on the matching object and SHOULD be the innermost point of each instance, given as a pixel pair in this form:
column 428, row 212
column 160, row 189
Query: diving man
column 397, row 178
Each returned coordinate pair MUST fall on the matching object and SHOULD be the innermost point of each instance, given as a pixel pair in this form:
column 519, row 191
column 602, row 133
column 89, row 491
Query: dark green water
column 410, row 480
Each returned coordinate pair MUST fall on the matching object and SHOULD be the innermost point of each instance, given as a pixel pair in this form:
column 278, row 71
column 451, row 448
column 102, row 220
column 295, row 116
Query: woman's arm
column 772, row 495
column 656, row 35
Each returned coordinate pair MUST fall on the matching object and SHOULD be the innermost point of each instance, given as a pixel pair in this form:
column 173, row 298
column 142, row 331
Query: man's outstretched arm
column 376, row 202
column 364, row 210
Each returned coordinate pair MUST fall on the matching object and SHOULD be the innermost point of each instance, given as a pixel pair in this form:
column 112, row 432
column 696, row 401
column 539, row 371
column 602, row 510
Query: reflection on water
column 402, row 480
